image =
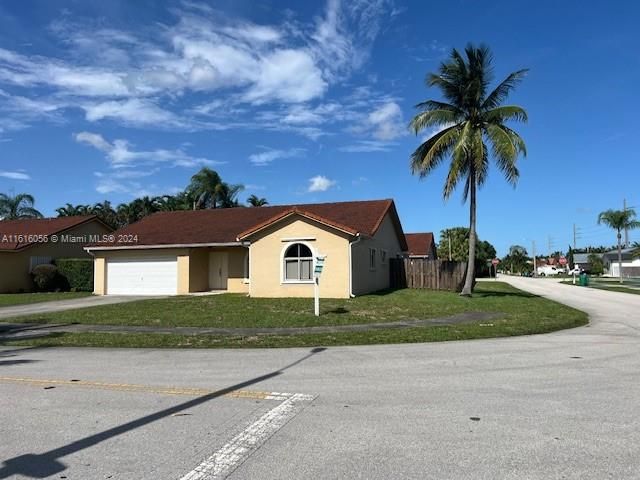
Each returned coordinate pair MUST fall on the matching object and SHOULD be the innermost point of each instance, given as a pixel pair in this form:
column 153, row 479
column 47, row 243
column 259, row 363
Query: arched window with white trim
column 298, row 263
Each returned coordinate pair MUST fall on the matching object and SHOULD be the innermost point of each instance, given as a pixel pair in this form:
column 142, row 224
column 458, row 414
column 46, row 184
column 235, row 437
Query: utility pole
column 626, row 230
column 533, row 249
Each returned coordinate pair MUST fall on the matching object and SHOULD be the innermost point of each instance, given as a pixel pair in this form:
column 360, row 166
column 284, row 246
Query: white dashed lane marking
column 239, row 448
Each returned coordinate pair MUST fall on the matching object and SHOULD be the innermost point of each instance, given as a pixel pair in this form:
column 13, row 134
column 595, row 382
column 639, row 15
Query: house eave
column 167, row 246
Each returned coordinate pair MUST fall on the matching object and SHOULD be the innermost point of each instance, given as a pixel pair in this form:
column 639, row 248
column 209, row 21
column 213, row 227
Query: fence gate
column 425, row 273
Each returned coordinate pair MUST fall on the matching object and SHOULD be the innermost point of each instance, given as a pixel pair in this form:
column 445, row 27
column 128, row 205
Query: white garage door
column 133, row 276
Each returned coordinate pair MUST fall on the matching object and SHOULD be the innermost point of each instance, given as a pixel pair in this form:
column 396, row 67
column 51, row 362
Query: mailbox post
column 317, row 271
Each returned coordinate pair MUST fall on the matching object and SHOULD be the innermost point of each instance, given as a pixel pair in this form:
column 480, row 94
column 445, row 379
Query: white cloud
column 364, row 146
column 269, row 155
column 119, row 153
column 94, row 139
column 132, row 111
column 17, row 175
column 387, row 122
column 320, row 183
column 144, row 78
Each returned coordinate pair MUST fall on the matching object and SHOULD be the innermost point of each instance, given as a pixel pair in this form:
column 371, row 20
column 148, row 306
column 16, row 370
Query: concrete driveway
column 71, row 304
column 557, row 406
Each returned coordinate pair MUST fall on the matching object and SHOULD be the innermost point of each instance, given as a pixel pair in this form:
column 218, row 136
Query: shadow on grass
column 339, row 311
column 482, row 294
column 6, row 340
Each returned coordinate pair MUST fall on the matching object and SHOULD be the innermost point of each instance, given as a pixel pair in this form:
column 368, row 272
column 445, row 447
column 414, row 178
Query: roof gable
column 420, row 244
column 10, row 229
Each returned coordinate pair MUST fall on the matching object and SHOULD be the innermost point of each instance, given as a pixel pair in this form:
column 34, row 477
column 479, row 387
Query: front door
column 218, row 270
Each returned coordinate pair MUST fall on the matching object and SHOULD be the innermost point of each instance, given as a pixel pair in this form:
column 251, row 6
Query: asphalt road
column 558, row 406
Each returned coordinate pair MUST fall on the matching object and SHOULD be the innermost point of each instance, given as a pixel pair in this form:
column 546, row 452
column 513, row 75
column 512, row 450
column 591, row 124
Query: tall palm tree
column 70, row 210
column 472, row 125
column 619, row 220
column 17, row 207
column 256, row 201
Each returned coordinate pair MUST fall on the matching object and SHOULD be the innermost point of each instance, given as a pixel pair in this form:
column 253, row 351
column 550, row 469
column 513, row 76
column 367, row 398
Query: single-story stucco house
column 30, row 242
column 421, row 245
column 262, row 251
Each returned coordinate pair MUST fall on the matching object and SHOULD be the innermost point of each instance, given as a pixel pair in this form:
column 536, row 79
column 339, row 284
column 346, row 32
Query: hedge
column 47, row 278
column 78, row 272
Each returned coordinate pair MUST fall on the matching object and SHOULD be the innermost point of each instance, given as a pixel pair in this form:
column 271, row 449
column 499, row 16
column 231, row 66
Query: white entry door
column 135, row 276
column 218, row 270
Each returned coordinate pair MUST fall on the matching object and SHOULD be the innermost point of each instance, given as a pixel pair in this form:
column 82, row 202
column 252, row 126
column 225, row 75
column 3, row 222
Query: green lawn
column 8, row 299
column 522, row 313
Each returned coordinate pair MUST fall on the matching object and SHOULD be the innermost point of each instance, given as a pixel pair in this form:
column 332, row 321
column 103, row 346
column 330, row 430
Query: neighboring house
column 264, row 252
column 630, row 264
column 581, row 260
column 30, row 242
column 421, row 245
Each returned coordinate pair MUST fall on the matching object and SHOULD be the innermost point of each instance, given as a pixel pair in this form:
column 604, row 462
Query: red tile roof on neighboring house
column 420, row 244
column 231, row 225
column 12, row 230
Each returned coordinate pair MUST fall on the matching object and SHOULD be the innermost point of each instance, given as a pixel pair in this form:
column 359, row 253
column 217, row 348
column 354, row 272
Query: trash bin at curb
column 584, row 280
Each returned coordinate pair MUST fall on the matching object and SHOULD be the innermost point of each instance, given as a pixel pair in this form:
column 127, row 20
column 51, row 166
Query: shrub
column 47, row 278
column 78, row 272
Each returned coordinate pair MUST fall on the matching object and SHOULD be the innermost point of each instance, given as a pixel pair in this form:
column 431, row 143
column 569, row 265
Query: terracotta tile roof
column 227, row 225
column 420, row 243
column 35, row 227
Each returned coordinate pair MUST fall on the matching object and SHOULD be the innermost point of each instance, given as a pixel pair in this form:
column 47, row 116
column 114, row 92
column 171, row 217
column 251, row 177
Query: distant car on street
column 548, row 270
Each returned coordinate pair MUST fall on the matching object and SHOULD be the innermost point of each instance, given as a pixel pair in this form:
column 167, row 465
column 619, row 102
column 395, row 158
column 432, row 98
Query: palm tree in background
column 472, row 124
column 18, row 207
column 228, row 195
column 205, row 187
column 255, row 201
column 70, row 210
column 619, row 220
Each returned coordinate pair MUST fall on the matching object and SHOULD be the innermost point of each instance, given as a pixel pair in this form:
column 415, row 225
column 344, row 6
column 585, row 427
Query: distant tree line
column 458, row 239
column 205, row 190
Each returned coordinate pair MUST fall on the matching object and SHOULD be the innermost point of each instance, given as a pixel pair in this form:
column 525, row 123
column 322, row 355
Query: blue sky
column 309, row 102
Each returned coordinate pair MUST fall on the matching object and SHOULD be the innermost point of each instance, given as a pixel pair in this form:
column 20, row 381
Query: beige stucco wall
column 14, row 266
column 366, row 280
column 266, row 259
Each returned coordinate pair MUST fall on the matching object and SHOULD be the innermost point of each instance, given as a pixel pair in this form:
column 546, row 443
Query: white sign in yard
column 317, row 271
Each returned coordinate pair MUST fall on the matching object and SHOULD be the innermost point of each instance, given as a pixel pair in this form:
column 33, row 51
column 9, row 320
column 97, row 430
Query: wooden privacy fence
column 424, row 273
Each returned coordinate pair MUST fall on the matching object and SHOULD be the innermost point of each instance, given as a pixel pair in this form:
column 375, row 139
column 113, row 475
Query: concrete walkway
column 26, row 330
column 71, row 304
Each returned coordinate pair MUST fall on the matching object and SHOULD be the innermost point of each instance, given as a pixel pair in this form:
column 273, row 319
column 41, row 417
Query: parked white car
column 549, row 270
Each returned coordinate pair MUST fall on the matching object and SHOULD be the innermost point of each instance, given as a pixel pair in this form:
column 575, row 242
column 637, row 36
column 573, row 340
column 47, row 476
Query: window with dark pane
column 298, row 263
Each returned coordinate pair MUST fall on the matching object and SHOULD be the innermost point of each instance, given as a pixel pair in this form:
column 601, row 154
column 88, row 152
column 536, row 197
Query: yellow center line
column 128, row 387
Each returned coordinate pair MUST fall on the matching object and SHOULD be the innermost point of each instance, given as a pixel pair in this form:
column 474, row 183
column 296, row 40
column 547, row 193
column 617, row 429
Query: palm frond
column 501, row 92
column 432, row 118
column 435, row 105
column 433, row 151
column 505, row 113
column 504, row 151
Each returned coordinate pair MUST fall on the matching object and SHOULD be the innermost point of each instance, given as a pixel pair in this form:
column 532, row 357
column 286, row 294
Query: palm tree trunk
column 467, row 290
column 620, row 255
